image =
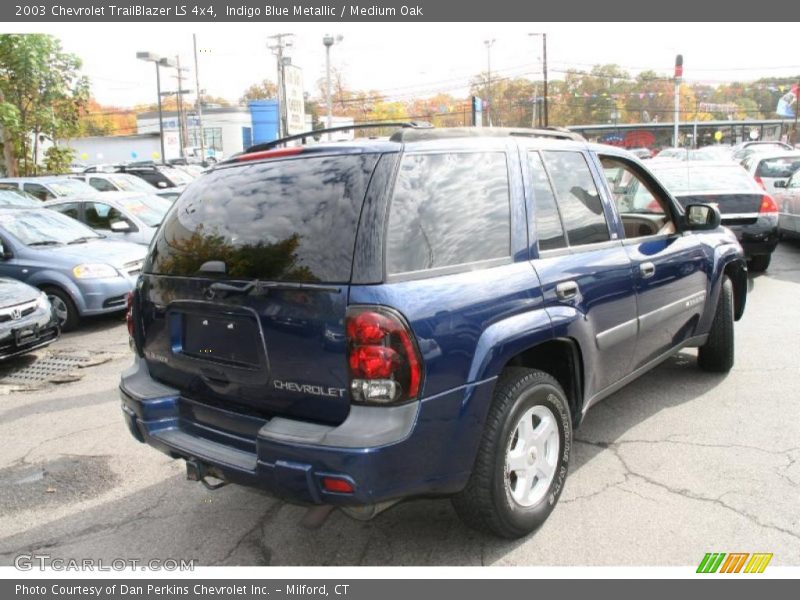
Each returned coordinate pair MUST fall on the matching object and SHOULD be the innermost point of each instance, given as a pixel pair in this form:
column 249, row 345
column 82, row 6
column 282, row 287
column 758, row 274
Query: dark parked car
column 746, row 209
column 357, row 323
column 81, row 273
column 27, row 320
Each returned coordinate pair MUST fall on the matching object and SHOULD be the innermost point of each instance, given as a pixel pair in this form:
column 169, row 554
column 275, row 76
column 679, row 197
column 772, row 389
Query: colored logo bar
column 734, row 562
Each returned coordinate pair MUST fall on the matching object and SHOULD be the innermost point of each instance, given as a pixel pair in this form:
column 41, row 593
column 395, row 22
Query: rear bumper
column 758, row 238
column 423, row 448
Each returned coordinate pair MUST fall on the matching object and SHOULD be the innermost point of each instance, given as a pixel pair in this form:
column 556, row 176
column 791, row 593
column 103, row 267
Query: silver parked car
column 81, row 273
column 48, row 188
column 767, row 168
column 122, row 216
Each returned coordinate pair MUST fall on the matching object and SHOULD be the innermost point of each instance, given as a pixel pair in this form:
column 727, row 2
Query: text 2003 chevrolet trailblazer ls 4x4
column 357, row 323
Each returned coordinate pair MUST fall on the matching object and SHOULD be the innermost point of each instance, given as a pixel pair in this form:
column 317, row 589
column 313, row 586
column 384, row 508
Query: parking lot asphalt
column 677, row 464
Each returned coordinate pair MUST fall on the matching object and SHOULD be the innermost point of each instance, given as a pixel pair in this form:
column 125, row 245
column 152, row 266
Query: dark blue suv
column 358, row 323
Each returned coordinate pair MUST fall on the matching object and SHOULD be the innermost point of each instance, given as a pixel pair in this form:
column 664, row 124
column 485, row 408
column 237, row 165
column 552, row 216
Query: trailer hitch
column 197, row 471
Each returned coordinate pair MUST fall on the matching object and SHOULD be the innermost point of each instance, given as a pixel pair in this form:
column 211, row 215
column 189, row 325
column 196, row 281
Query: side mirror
column 700, row 217
column 780, row 184
column 120, row 226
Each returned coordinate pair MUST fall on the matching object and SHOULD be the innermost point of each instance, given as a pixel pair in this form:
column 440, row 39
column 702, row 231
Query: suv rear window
column 286, row 220
column 448, row 209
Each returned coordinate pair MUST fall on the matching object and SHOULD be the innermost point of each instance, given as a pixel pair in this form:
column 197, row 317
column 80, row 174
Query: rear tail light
column 382, row 357
column 129, row 314
column 767, row 205
column 760, row 182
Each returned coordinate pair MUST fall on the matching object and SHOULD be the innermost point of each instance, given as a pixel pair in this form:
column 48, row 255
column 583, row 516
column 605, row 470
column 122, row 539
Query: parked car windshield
column 693, row 178
column 43, row 227
column 71, row 187
column 177, row 176
column 131, row 183
column 148, row 209
column 9, row 197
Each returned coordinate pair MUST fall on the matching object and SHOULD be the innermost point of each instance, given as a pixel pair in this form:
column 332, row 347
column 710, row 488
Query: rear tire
column 66, row 311
column 716, row 355
column 523, row 456
column 760, row 263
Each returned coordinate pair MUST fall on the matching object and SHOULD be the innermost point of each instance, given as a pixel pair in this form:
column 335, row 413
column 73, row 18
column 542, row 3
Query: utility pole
column 544, row 74
column 796, row 106
column 183, row 137
column 279, row 43
column 176, row 64
column 677, row 115
column 199, row 106
column 489, row 44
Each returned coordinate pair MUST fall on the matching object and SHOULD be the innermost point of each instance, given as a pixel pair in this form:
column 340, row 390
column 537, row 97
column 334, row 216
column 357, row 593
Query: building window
column 213, row 138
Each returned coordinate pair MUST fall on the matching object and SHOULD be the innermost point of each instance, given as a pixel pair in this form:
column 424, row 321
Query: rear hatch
column 244, row 291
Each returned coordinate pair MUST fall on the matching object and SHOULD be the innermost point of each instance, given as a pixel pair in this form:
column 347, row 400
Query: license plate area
column 228, row 339
column 26, row 335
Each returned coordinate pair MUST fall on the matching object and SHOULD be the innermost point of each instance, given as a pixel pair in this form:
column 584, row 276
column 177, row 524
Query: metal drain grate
column 45, row 369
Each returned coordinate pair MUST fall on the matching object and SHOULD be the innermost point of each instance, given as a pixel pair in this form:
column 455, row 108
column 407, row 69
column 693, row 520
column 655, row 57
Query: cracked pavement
column 677, row 464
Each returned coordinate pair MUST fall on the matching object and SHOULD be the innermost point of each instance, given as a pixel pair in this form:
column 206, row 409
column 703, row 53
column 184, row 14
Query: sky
column 403, row 60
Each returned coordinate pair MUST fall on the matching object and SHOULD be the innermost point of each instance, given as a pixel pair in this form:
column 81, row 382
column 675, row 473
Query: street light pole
column 489, row 44
column 150, row 57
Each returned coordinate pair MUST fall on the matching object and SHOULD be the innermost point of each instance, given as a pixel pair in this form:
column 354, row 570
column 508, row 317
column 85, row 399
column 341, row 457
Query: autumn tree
column 264, row 90
column 41, row 94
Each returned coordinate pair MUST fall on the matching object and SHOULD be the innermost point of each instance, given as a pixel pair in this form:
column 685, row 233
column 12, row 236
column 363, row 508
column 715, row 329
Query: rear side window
column 285, row 220
column 102, row 185
column 448, row 209
column 578, row 198
column 71, row 209
column 778, row 167
column 549, row 231
column 38, row 190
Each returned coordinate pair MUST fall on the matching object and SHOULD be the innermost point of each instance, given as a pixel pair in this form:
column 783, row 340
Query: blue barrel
column 264, row 114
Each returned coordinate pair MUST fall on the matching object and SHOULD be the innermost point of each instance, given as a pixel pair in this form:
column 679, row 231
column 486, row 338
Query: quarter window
column 578, row 199
column 448, row 209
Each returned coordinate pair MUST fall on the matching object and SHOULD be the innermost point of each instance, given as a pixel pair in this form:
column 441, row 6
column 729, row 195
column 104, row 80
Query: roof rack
column 318, row 132
column 456, row 132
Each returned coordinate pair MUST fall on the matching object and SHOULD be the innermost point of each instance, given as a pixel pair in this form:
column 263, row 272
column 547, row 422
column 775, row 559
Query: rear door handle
column 567, row 290
column 647, row 269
